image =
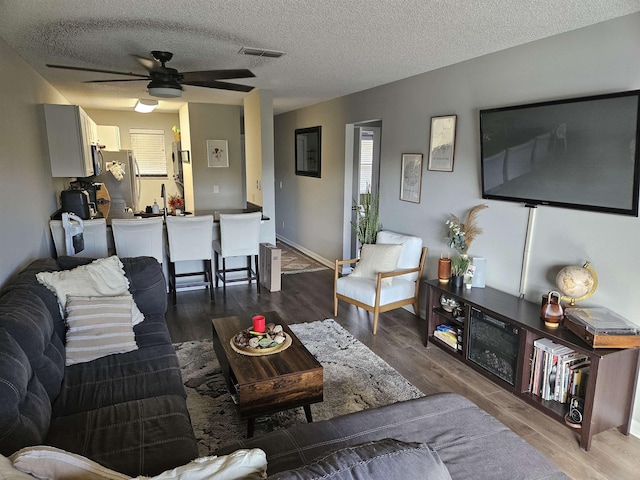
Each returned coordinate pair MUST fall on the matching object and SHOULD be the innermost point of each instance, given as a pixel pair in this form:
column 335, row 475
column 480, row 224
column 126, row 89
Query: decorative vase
column 444, row 270
column 457, row 281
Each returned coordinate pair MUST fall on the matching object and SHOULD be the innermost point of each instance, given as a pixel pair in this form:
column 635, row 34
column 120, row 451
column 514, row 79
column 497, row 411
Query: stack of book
column 450, row 335
column 557, row 372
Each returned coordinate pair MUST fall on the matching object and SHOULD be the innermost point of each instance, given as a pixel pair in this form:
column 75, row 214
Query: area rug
column 293, row 261
column 355, row 379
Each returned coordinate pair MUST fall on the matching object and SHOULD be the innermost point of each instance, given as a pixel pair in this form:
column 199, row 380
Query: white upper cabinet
column 70, row 134
column 109, row 136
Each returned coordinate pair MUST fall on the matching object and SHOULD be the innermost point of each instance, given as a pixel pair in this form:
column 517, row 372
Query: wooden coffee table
column 262, row 385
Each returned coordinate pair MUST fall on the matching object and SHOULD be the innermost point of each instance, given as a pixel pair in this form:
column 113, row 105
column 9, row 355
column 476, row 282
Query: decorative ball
column 576, row 282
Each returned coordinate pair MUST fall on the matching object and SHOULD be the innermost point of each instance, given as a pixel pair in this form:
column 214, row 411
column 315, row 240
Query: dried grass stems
column 469, row 229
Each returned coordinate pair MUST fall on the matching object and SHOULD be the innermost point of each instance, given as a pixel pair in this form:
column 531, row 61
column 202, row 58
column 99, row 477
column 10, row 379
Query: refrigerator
column 125, row 191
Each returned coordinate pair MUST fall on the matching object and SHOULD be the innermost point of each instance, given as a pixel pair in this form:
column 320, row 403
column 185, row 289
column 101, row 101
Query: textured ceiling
column 333, row 47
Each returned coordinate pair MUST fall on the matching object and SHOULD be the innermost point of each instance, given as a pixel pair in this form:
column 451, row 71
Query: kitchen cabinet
column 109, row 136
column 70, row 135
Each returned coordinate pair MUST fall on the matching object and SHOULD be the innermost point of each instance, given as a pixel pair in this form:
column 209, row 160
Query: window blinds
column 148, row 147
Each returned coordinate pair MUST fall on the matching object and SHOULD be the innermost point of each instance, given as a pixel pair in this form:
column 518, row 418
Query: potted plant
column 459, row 266
column 367, row 224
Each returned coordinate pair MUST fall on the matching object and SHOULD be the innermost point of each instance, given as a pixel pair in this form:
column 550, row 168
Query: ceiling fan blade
column 98, row 70
column 221, row 85
column 117, row 80
column 148, row 63
column 210, row 75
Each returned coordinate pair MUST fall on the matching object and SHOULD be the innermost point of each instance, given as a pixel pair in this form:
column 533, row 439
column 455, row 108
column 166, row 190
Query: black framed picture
column 308, row 143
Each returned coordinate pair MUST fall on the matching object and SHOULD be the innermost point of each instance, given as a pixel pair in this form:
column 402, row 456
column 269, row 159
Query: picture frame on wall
column 411, row 177
column 442, row 143
column 218, row 153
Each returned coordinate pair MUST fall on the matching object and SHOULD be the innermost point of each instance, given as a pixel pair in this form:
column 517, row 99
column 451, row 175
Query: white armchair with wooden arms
column 386, row 277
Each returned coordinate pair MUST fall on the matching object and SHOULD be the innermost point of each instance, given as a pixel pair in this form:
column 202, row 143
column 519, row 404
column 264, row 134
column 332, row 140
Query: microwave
column 98, row 160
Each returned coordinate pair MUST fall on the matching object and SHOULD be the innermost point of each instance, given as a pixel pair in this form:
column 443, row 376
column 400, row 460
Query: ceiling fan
column 166, row 82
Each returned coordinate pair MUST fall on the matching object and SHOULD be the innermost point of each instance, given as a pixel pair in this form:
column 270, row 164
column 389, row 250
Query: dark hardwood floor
column 400, row 340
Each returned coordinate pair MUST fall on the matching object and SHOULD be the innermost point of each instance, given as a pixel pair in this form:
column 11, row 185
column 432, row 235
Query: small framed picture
column 217, row 153
column 411, row 178
column 184, row 156
column 442, row 143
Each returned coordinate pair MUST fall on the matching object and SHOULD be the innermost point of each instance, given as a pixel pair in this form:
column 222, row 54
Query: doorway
column 362, row 175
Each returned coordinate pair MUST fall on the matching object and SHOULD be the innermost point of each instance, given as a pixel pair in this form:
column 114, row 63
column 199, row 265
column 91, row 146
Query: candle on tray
column 259, row 323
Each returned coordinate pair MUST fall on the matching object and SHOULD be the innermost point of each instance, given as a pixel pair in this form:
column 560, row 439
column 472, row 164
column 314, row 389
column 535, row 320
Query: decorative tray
column 273, row 340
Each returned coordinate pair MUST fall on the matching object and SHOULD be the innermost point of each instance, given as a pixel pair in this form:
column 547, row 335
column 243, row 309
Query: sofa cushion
column 26, row 318
column 97, row 327
column 411, row 251
column 25, row 409
column 113, row 379
column 378, row 460
column 141, row 437
column 470, row 442
column 26, row 279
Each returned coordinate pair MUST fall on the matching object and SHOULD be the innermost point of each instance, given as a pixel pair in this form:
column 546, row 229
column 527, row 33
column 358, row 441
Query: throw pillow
column 97, row 327
column 50, row 463
column 102, row 277
column 9, row 472
column 377, row 460
column 375, row 258
column 239, row 465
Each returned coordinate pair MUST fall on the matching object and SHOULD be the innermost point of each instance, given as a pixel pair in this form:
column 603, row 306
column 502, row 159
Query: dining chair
column 239, row 237
column 138, row 237
column 94, row 234
column 385, row 278
column 190, row 239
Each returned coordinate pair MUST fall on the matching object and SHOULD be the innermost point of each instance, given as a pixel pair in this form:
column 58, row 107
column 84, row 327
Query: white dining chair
column 190, row 238
column 239, row 237
column 138, row 237
column 94, row 234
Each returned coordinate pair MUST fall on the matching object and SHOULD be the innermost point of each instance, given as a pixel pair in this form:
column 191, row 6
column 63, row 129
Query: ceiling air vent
column 260, row 52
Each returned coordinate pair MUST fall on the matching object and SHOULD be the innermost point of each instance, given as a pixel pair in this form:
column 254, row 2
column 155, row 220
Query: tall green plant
column 367, row 224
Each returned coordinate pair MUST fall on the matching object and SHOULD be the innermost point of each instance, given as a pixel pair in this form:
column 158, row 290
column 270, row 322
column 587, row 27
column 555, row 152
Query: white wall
column 27, row 190
column 214, row 122
column 598, row 59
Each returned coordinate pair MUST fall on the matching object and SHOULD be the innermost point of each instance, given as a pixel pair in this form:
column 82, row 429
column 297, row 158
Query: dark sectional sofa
column 126, row 411
column 437, row 437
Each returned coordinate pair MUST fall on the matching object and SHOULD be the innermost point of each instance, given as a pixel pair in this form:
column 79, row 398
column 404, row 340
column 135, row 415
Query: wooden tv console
column 612, row 376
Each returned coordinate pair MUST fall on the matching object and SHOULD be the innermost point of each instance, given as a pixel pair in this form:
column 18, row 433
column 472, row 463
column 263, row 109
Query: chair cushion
column 364, row 290
column 376, row 460
column 376, row 259
column 411, row 252
column 98, row 326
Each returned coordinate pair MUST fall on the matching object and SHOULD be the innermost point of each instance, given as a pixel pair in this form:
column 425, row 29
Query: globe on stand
column 576, row 283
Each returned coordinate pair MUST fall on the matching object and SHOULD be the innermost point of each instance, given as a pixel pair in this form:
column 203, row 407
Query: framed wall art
column 308, row 151
column 411, row 183
column 217, row 153
column 442, row 143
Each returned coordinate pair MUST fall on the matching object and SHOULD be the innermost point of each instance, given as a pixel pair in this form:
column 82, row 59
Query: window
column 366, row 161
column 148, row 148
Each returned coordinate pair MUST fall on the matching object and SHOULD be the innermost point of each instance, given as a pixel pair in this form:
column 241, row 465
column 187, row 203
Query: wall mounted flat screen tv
column 578, row 153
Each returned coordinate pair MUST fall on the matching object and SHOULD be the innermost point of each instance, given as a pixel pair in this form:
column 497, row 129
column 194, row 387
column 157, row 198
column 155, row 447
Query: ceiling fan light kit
column 146, row 106
column 164, row 91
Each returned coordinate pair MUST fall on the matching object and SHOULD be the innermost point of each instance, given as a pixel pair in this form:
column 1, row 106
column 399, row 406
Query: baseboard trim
column 635, row 427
